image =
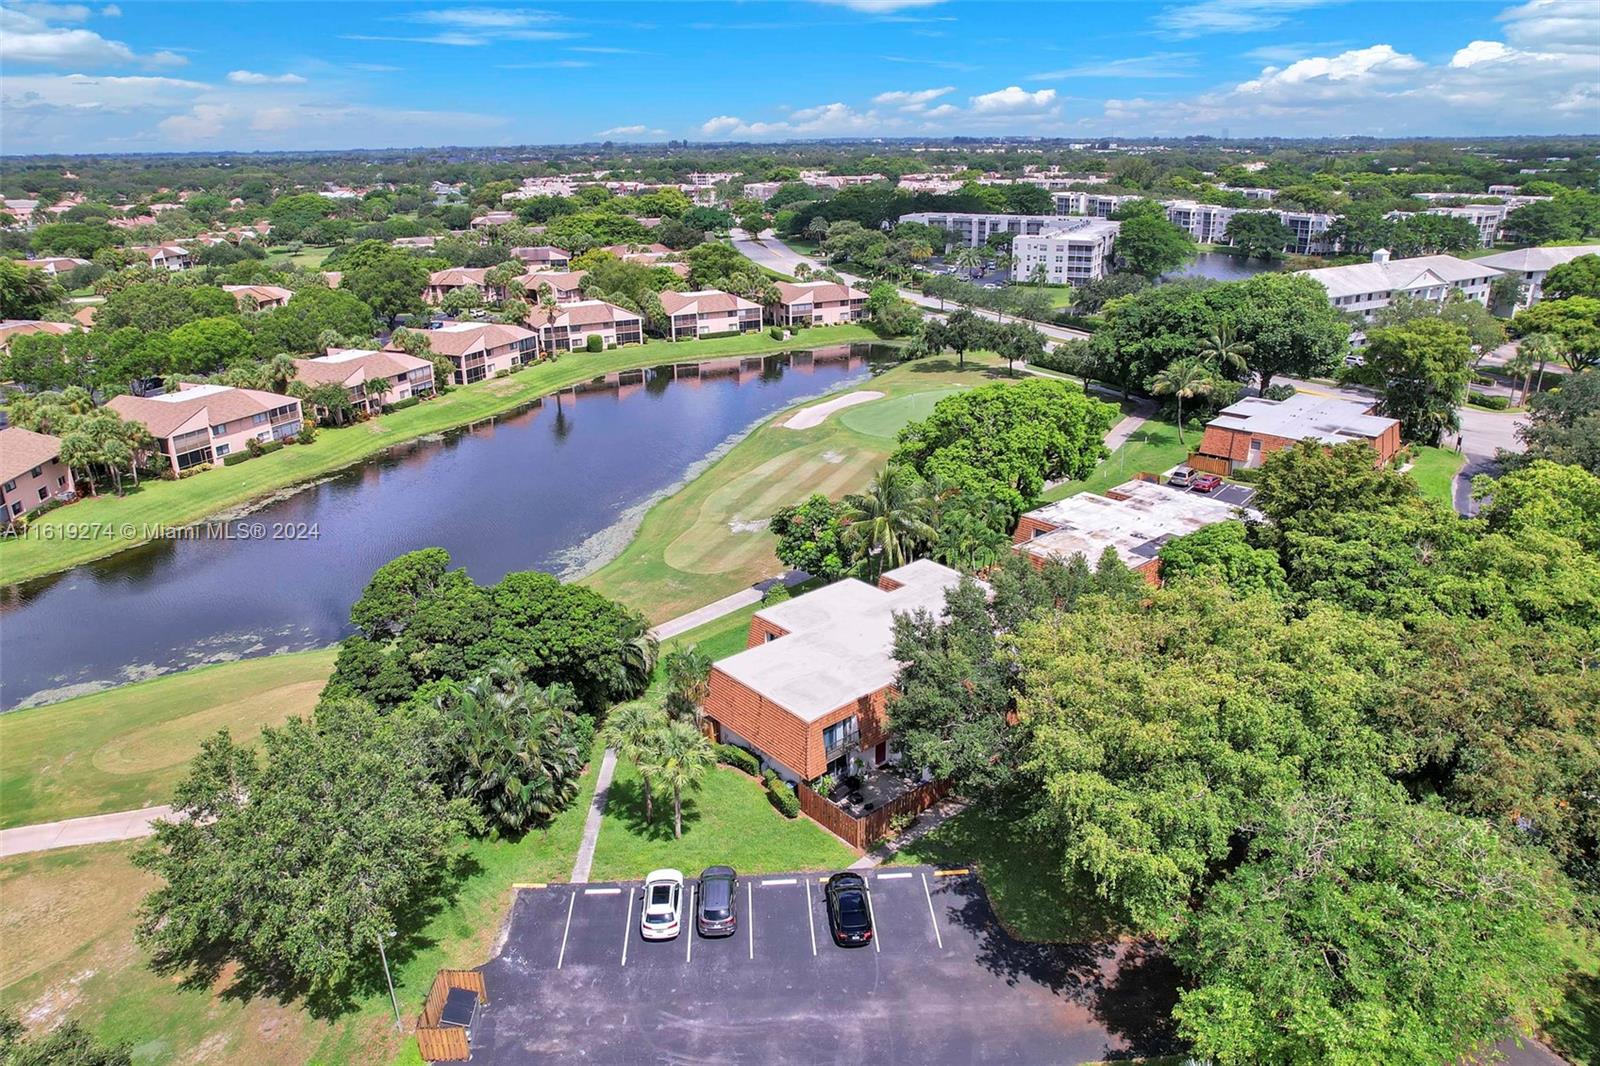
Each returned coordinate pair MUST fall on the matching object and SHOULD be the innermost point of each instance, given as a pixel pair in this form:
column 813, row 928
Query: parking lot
column 941, row 982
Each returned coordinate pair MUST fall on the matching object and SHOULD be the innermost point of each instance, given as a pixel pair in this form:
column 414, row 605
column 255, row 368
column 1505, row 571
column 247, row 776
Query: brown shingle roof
column 353, row 366
column 458, row 276
column 583, row 313
column 818, row 292
column 705, row 301
column 221, row 403
column 22, row 450
column 460, row 338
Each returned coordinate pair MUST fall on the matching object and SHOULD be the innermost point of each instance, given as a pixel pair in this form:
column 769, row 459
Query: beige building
column 1070, row 253
column 482, row 349
column 569, row 327
column 372, row 379
column 31, row 471
column 819, row 303
column 206, row 423
column 709, row 311
column 260, row 297
column 1366, row 288
column 565, row 285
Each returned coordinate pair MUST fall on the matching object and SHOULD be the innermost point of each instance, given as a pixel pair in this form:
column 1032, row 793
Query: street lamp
column 385, row 957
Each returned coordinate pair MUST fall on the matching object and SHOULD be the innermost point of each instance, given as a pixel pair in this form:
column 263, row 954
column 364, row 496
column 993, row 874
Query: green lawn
column 1435, row 472
column 1060, row 295
column 101, row 522
column 1153, row 448
column 1030, row 894
column 68, row 922
column 1574, row 1026
column 728, row 821
column 710, row 539
column 885, row 418
column 128, row 746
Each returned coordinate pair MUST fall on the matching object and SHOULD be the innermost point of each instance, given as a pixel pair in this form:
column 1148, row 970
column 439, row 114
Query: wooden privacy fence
column 860, row 833
column 447, row 1043
column 1207, row 464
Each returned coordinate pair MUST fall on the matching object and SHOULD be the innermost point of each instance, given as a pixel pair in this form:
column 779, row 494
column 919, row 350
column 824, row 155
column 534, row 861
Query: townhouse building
column 54, row 265
column 565, row 285
column 708, row 312
column 819, row 303
column 1071, row 252
column 443, row 282
column 568, row 328
column 1530, row 265
column 259, row 297
column 543, row 257
column 205, row 423
column 493, row 218
column 31, row 472
column 13, row 328
column 1366, row 288
column 481, row 350
column 370, row 378
column 166, row 256
column 1243, row 434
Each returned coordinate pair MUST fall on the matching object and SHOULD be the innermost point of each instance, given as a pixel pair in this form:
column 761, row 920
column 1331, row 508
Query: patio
column 876, row 788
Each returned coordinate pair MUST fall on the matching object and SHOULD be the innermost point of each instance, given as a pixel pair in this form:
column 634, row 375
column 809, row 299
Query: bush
column 401, row 405
column 1279, row 392
column 502, row 373
column 1492, row 402
column 595, row 343
column 782, row 796
column 823, row 786
column 1246, row 474
column 270, row 446
column 776, row 332
column 739, row 759
column 308, row 432
column 236, row 458
column 718, row 336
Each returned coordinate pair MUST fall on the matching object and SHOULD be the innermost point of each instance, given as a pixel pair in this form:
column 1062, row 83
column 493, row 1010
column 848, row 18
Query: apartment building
column 443, row 282
column 543, row 257
column 1133, row 520
column 165, row 256
column 54, row 265
column 1071, row 252
column 708, row 312
column 12, row 328
column 1530, row 265
column 493, row 218
column 974, row 227
column 1093, row 204
column 1206, row 223
column 372, row 379
column 31, row 472
column 565, row 285
column 819, row 303
column 1365, row 288
column 205, row 423
column 568, row 328
column 762, row 190
column 259, row 297
column 1245, row 433
column 482, row 349
column 1310, row 230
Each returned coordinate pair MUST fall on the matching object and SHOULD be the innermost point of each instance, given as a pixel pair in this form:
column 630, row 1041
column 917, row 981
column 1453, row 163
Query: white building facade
column 1072, row 252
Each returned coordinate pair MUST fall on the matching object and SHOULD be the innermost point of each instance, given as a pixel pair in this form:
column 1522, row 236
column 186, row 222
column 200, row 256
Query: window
column 44, row 493
column 35, row 471
column 10, row 486
column 222, row 449
column 16, row 508
column 840, row 733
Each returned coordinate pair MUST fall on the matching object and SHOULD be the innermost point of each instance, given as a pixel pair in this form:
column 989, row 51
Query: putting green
column 885, row 418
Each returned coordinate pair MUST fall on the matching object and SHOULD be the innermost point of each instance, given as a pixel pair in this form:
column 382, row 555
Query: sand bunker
column 817, row 414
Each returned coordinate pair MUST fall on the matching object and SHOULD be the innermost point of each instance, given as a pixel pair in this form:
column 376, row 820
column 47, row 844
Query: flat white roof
column 1135, row 527
column 839, row 642
column 193, row 393
column 1304, row 417
column 1538, row 258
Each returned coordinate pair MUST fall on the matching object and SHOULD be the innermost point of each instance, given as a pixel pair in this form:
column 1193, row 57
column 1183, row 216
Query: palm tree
column 1540, row 348
column 1520, row 368
column 279, row 371
column 1223, row 348
column 634, row 731
column 969, row 259
column 516, row 747
column 688, row 673
column 1183, row 379
column 683, row 756
column 886, row 522
column 637, row 659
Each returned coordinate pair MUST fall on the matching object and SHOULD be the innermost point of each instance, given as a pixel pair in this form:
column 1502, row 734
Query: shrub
column 308, row 432
column 502, row 373
column 236, row 458
column 1488, row 400
column 1248, row 475
column 901, row 822
column 1279, row 392
column 823, row 786
column 401, row 405
column 776, row 332
column 595, row 343
column 253, row 446
column 739, row 759
column 718, row 336
column 270, row 446
column 782, row 796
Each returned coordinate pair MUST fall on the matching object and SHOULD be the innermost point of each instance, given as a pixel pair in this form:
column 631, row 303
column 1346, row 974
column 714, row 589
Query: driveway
column 941, row 983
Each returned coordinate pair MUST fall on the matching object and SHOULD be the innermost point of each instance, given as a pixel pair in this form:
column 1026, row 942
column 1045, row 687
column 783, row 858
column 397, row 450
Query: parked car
column 662, row 916
column 1181, row 478
column 849, row 914
column 718, row 913
column 1206, row 483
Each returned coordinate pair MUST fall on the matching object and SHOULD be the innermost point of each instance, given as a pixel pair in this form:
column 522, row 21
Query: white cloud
column 28, row 35
column 1361, row 64
column 1228, row 16
column 911, row 99
column 547, row 64
column 203, row 122
column 720, row 125
column 250, row 77
column 490, row 18
column 942, row 111
column 879, row 7
column 639, row 130
column 1013, row 98
column 1158, row 65
column 111, row 11
column 1553, row 26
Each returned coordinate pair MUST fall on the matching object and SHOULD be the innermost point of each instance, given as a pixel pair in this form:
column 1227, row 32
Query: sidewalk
column 73, row 832
column 927, row 822
column 727, row 605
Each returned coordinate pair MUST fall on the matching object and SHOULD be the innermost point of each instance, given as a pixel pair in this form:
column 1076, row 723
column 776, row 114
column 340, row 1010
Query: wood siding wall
column 761, row 631
column 447, row 1043
column 860, row 833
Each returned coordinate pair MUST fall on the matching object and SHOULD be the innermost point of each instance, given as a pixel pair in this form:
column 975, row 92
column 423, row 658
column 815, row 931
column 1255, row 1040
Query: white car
column 662, row 916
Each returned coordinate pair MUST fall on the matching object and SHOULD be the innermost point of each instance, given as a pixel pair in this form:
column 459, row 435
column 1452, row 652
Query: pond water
column 1219, row 266
column 557, row 486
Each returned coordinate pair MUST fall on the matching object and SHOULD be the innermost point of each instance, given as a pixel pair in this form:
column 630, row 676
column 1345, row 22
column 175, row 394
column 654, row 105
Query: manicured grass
column 68, row 920
column 1060, row 295
column 128, row 746
column 102, row 522
column 885, row 418
column 1434, row 470
column 710, row 539
column 310, row 258
column 1153, row 448
column 728, row 821
column 1031, row 895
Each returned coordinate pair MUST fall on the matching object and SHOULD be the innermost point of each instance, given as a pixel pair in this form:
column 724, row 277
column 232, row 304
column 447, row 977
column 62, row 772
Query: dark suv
column 717, row 912
column 849, row 913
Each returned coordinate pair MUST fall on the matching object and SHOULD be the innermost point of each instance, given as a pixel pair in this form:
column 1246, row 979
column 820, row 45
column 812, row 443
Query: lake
column 558, row 486
column 1219, row 266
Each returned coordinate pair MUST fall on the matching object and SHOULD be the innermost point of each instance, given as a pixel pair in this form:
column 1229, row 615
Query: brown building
column 1245, row 433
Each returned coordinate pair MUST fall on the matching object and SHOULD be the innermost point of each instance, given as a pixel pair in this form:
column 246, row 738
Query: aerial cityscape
column 829, row 531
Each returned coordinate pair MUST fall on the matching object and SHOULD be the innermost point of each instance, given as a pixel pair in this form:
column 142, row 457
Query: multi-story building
column 482, row 349
column 206, row 423
column 819, row 303
column 1071, row 252
column 12, row 328
column 54, row 265
column 259, row 297
column 493, row 218
column 975, row 227
column 1530, row 265
column 762, row 190
column 443, row 282
column 1243, row 434
column 708, row 311
column 1206, row 223
column 1310, row 230
column 569, row 327
column 372, row 379
column 1366, row 288
column 1487, row 219
column 565, row 285
column 543, row 257
column 31, row 472
column 1094, row 204
column 166, row 257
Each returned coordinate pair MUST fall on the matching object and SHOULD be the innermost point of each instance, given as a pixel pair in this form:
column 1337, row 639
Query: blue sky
column 142, row 75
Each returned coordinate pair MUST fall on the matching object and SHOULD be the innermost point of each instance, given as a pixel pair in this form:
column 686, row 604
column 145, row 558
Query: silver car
column 717, row 913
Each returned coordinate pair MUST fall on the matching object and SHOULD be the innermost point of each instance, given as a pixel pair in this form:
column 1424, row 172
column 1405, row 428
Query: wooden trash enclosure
column 448, row 1043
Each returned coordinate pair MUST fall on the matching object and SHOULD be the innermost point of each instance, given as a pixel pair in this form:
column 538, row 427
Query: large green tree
column 1259, row 234
column 1423, row 367
column 1577, row 277
column 1563, row 425
column 1150, row 246
column 1574, row 324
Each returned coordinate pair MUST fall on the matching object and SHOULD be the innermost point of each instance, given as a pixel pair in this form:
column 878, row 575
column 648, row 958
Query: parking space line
column 688, row 947
column 565, row 930
column 778, row 881
column 627, row 927
column 811, row 920
column 877, row 930
column 929, row 896
column 891, row 877
column 750, row 909
column 951, row 873
column 602, row 892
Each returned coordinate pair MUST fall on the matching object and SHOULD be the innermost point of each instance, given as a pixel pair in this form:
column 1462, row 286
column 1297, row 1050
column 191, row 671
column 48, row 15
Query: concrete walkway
column 73, row 832
column 591, row 824
column 927, row 822
column 727, row 605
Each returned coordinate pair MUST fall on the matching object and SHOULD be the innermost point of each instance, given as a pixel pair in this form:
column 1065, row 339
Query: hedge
column 236, row 458
column 739, row 759
column 401, row 405
column 782, row 796
column 595, row 343
column 1488, row 400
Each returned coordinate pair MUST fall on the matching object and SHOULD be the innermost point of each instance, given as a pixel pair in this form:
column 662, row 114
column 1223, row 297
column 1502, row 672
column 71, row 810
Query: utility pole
column 392, row 1000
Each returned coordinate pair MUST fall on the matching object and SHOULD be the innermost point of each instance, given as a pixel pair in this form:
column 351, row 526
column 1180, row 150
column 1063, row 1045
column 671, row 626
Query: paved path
column 591, row 824
column 927, row 822
column 727, row 605
column 72, row 832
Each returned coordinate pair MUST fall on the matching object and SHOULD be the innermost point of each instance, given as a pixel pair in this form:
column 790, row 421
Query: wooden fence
column 1207, row 464
column 446, row 1043
column 860, row 833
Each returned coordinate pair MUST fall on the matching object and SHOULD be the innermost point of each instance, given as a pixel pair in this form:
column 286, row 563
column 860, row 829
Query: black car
column 849, row 913
column 717, row 912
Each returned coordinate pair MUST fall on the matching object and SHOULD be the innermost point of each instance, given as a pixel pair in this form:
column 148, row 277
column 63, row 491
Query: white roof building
column 1532, row 264
column 1134, row 520
column 1365, row 288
